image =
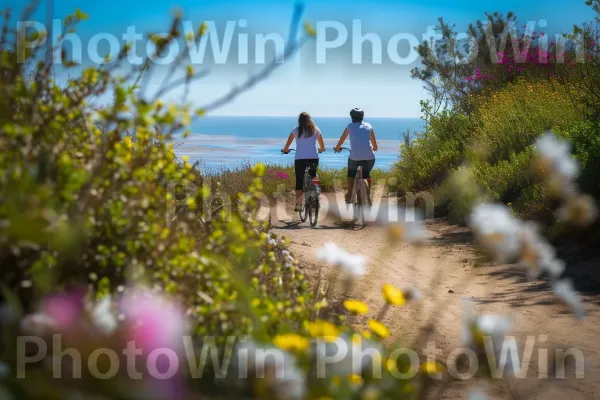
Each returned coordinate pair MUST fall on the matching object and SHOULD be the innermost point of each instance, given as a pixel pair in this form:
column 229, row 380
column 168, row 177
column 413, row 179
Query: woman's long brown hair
column 306, row 125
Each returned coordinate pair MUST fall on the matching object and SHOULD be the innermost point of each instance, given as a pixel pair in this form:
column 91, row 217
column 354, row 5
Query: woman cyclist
column 364, row 144
column 306, row 135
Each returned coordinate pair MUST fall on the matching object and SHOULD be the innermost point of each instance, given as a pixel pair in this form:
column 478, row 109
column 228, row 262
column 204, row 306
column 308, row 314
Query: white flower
column 352, row 354
column 410, row 232
column 38, row 324
column 279, row 368
column 497, row 230
column 477, row 328
column 556, row 153
column 538, row 255
column 416, row 232
column 352, row 265
column 273, row 242
column 102, row 316
column 411, row 293
column 563, row 289
column 580, row 210
column 477, row 395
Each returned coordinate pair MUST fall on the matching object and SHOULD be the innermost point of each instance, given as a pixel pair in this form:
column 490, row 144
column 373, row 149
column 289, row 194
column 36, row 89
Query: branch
column 291, row 47
column 254, row 79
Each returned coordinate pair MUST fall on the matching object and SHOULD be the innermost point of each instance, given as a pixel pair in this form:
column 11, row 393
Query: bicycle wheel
column 305, row 201
column 314, row 211
column 356, row 192
column 364, row 203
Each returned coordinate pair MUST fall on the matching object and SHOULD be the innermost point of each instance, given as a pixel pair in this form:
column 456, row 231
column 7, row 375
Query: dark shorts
column 367, row 166
column 300, row 166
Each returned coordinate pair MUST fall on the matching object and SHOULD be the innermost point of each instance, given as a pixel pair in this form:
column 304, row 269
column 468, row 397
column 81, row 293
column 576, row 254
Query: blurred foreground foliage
column 90, row 196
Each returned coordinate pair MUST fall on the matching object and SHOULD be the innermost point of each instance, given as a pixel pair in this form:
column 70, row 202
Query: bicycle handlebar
column 342, row 148
column 290, row 150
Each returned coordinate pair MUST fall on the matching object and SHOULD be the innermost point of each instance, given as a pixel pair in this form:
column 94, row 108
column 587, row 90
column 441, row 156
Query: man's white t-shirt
column 306, row 147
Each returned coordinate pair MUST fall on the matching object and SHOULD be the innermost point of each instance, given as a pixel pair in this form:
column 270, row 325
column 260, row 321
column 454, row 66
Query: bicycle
column 359, row 197
column 312, row 200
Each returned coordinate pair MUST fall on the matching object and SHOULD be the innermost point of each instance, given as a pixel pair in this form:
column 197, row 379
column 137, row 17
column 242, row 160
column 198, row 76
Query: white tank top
column 306, row 147
column 360, row 141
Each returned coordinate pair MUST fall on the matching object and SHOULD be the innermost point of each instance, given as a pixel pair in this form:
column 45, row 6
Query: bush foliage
column 487, row 113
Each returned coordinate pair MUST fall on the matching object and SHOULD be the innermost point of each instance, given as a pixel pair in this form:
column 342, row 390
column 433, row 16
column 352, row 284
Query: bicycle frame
column 311, row 197
column 359, row 196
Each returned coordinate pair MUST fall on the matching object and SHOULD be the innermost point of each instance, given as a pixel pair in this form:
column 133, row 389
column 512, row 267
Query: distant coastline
column 231, row 141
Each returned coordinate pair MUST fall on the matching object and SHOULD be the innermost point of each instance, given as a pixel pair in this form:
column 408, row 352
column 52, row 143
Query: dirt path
column 446, row 271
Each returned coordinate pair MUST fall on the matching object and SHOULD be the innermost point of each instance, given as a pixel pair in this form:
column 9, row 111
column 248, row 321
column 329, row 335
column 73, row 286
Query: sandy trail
column 445, row 270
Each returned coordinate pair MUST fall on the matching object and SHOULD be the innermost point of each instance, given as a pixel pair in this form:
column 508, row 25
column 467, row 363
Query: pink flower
column 60, row 312
column 64, row 308
column 153, row 321
column 282, row 175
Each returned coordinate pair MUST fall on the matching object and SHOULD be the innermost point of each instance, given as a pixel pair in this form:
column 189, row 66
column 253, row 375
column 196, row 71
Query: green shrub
column 426, row 162
column 495, row 140
column 585, row 137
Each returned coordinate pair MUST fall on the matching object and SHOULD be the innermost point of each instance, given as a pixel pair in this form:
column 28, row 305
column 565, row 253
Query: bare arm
column 342, row 140
column 321, row 143
column 286, row 149
column 373, row 140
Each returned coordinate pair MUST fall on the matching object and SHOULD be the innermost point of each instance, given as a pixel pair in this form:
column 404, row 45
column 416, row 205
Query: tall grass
column 278, row 178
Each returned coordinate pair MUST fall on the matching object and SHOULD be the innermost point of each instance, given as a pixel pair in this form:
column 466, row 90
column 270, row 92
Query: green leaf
column 120, row 95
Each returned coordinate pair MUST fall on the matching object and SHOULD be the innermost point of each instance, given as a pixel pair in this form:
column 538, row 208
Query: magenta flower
column 60, row 312
column 153, row 321
column 64, row 308
column 282, row 175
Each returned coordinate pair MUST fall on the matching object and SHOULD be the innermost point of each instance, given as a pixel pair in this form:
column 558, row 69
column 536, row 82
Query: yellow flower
column 355, row 379
column 393, row 296
column 396, row 232
column 379, row 329
column 323, row 329
column 391, row 365
column 258, row 169
column 356, row 338
column 432, row 368
column 356, row 307
column 128, row 142
column 310, row 30
column 291, row 342
column 203, row 29
column 477, row 334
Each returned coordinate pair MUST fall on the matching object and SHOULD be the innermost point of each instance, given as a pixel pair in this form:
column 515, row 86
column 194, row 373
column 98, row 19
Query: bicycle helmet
column 357, row 113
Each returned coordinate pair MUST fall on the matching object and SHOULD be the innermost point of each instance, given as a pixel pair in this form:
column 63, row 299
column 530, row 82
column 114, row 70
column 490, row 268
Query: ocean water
column 231, row 141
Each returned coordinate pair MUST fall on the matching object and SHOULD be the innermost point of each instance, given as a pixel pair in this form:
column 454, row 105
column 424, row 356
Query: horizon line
column 296, row 115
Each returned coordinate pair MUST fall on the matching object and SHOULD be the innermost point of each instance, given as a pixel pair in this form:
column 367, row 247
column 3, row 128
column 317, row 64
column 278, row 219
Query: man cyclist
column 364, row 144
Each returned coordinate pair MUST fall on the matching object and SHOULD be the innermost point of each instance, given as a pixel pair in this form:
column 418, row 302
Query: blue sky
column 325, row 90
